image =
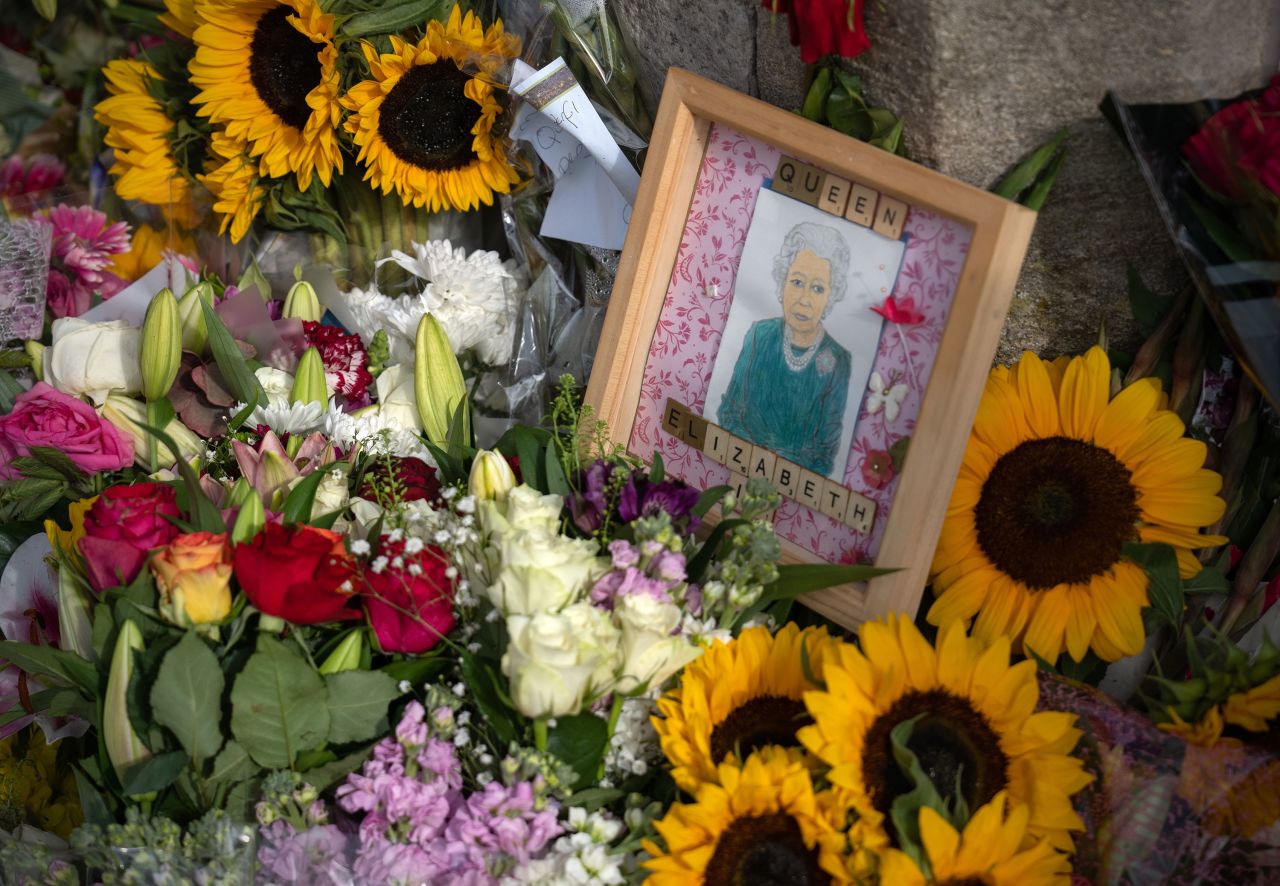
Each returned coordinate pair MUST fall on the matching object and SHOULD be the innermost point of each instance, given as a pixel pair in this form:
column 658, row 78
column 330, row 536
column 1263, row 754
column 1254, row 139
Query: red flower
column 415, row 479
column 122, row 527
column 409, row 596
column 877, row 468
column 1240, row 146
column 299, row 573
column 901, row 311
column 346, row 362
column 821, row 27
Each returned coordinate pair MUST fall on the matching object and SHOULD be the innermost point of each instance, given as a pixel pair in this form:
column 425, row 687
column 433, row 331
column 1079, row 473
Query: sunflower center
column 764, row 850
column 762, row 721
column 426, row 119
column 953, row 742
column 284, row 66
column 1056, row 511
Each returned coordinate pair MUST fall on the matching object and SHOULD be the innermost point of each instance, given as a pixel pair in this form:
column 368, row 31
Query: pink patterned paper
column 687, row 338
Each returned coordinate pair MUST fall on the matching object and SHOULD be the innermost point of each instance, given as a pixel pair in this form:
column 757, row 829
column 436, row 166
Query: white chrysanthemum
column 287, row 418
column 473, row 296
column 378, row 433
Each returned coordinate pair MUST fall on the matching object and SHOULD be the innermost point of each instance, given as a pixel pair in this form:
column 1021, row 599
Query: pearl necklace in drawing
column 798, row 363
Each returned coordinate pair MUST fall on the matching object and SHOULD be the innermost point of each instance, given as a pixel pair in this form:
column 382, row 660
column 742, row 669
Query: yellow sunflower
column 989, row 852
column 147, row 248
column 740, row 696
column 267, row 71
column 180, row 17
column 1057, row 477
column 977, row 723
column 232, row 179
column 1251, row 710
column 138, row 132
column 761, row 824
column 424, row 126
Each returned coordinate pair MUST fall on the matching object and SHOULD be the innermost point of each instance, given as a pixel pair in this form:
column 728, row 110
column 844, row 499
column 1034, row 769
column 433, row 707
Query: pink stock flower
column 39, row 172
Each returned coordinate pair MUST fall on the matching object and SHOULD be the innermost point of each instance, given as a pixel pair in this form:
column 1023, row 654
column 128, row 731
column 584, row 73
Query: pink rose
column 44, row 416
column 124, row 525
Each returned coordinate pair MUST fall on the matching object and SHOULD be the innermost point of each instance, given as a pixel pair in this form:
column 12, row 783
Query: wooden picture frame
column 999, row 232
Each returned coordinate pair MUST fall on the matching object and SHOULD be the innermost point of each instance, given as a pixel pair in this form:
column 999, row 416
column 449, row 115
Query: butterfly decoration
column 900, row 311
column 887, row 397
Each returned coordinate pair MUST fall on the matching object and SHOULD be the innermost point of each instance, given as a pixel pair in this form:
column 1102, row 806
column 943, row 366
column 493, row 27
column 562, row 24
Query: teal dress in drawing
column 797, row 414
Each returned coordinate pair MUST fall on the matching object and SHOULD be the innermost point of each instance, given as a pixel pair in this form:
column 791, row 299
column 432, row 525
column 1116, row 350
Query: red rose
column 877, row 468
column 1240, row 146
column 823, row 27
column 44, row 416
column 409, row 596
column 299, row 573
column 415, row 479
column 124, row 525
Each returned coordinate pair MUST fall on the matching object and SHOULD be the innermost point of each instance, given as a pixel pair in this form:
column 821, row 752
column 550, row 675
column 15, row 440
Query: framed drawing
column 796, row 305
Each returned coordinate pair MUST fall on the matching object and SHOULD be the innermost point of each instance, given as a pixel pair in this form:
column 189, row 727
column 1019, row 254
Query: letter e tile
column 809, row 490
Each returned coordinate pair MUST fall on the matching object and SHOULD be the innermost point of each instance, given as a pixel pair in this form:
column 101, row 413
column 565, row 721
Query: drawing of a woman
column 791, row 380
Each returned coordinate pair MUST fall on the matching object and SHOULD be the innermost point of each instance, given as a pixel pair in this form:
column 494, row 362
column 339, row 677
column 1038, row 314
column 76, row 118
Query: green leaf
column 358, row 704
column 10, row 390
column 848, row 114
column 592, row 799
column 905, row 811
column 898, row 453
column 186, row 697
column 816, row 98
column 241, row 382
column 233, row 764
column 204, row 514
column 325, row 776
column 279, row 707
column 557, row 483
column 657, row 470
column 391, row 18
column 153, row 774
column 710, row 498
column 532, row 464
column 481, row 680
column 1039, row 192
column 1164, row 587
column 242, row 799
column 1209, row 581
column 416, row 670
column 579, row 741
column 52, row 665
column 1029, row 170
column 702, row 559
column 298, row 504
column 795, row 579
column 91, row 802
column 58, row 461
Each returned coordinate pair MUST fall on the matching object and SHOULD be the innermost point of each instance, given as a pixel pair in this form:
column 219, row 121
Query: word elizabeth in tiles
column 748, row 460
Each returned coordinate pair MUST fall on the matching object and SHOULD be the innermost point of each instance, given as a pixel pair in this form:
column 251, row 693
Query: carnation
column 345, row 360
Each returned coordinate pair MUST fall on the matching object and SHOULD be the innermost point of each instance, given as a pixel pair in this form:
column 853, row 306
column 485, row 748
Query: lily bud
column 250, row 520
column 347, row 656
column 35, row 353
column 128, row 415
column 240, row 493
column 491, row 476
column 309, row 385
column 253, row 277
column 195, row 332
column 75, row 626
column 124, row 747
column 437, row 382
column 161, row 351
column 302, row 304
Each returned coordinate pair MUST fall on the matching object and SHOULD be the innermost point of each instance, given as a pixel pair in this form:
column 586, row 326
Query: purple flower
column 641, row 498
column 590, row 505
column 623, row 554
column 320, row 856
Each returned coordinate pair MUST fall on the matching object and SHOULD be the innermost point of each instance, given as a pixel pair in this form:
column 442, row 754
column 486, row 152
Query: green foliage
column 278, row 706
column 1164, row 584
column 835, row 98
column 358, row 704
column 186, row 697
column 580, row 741
column 905, row 811
column 1030, row 180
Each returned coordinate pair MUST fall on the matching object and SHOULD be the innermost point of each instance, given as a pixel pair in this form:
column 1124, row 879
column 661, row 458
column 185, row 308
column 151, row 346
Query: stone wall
column 981, row 82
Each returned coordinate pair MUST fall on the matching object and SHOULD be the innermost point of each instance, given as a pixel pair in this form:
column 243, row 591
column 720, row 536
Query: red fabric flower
column 122, row 527
column 299, row 573
column 409, row 597
column 346, row 362
column 901, row 311
column 415, row 480
column 877, row 468
column 823, row 27
column 1240, row 146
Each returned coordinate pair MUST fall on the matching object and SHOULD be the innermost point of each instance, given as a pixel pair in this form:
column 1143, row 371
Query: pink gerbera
column 40, row 172
column 84, row 242
column 345, row 360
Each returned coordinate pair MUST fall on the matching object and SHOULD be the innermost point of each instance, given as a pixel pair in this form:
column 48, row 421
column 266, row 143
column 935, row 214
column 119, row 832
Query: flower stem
column 540, row 734
column 153, row 418
column 615, row 711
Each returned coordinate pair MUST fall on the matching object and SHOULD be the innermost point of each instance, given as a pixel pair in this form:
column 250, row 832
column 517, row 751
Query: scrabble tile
column 695, row 431
column 798, row 180
column 860, row 513
column 809, row 489
column 862, row 205
column 786, row 475
column 835, row 500
column 716, row 444
column 673, row 418
column 762, row 463
column 835, row 194
column 891, row 215
column 739, row 458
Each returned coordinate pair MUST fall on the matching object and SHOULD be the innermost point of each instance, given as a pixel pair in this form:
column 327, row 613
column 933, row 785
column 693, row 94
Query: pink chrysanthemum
column 84, row 243
column 345, row 360
column 40, row 172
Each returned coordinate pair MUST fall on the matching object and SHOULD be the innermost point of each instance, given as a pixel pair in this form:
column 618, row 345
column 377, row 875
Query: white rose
column 541, row 571
column 525, row 508
column 277, row 384
column 396, row 399
column 651, row 652
column 331, row 494
column 96, row 359
column 556, row 661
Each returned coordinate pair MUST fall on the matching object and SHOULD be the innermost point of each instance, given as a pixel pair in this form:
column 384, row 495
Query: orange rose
column 193, row 573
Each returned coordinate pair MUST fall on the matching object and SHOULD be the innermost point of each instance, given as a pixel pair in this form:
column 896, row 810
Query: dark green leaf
column 481, row 680
column 1209, row 581
column 91, row 802
column 710, row 499
column 580, row 741
column 204, row 514
column 416, row 670
column 1164, row 587
column 532, row 464
column 279, row 706
column 592, row 799
column 657, row 471
column 54, row 665
column 391, row 18
column 702, row 559
column 905, row 812
column 241, row 382
column 233, row 764
column 58, row 460
column 1026, row 173
column 242, row 800
column 153, row 774
column 795, row 579
column 358, row 704
column 298, row 504
column 557, row 483
column 1034, row 198
column 898, row 453
column 325, row 776
column 186, row 697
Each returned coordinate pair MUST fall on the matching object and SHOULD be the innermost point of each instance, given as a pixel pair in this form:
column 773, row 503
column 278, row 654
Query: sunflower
column 740, row 696
column 761, row 824
column 267, row 71
column 232, row 179
column 424, row 126
column 147, row 248
column 139, row 132
column 989, row 852
column 1056, row 478
column 1249, row 710
column 180, row 17
column 976, row 725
